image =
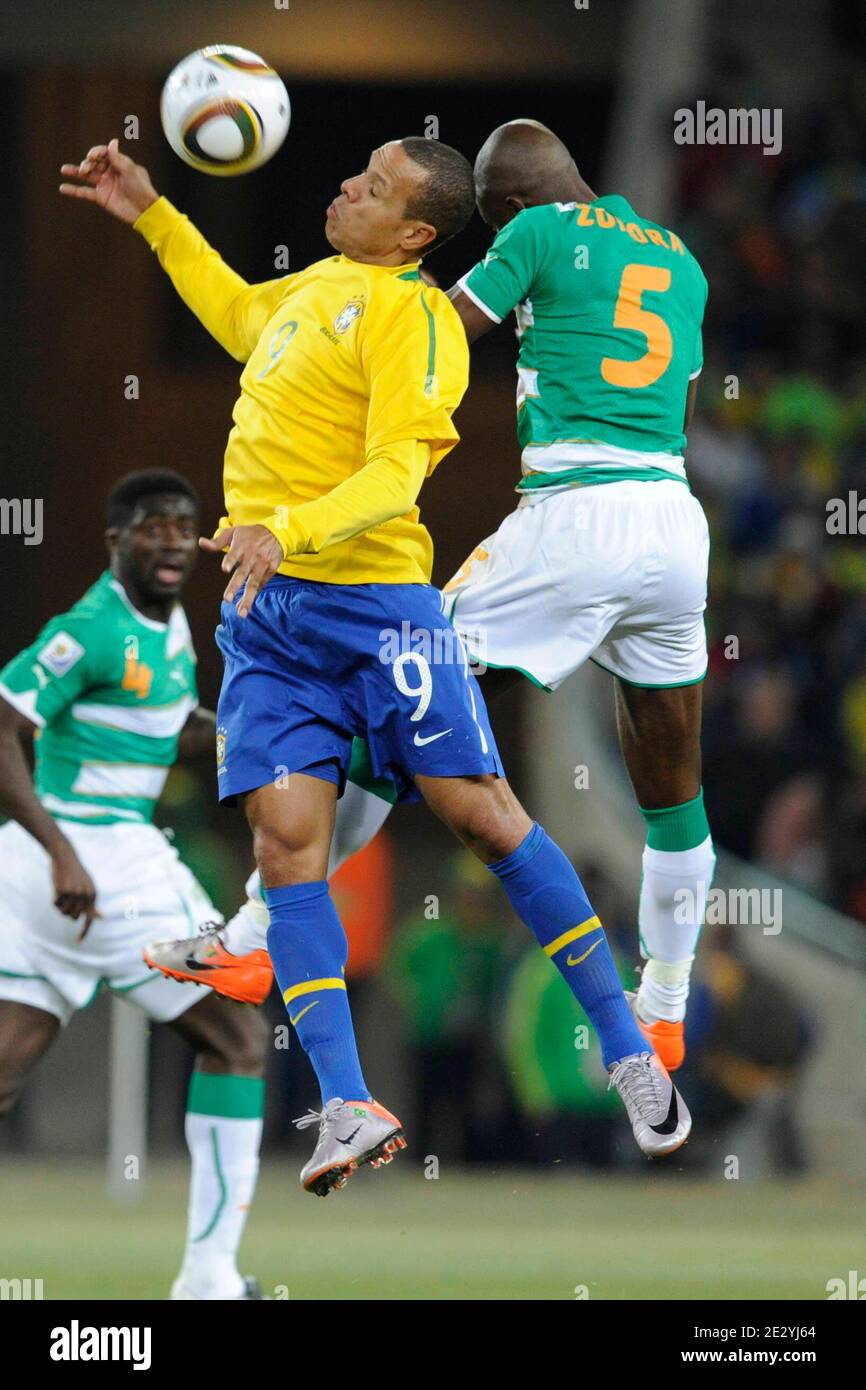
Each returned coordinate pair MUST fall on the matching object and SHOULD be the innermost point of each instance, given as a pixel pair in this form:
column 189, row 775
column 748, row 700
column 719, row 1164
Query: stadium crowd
column 780, row 432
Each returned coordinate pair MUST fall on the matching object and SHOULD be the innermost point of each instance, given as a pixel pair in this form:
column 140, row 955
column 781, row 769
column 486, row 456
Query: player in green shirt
column 605, row 557
column 108, row 692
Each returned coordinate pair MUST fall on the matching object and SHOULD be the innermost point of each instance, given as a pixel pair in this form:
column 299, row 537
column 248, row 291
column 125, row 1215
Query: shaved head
column 523, row 164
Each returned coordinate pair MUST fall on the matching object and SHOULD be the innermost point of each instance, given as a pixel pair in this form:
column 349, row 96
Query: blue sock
column 548, row 896
column 308, row 949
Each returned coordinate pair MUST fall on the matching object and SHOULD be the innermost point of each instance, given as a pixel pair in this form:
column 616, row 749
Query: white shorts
column 615, row 572
column 143, row 893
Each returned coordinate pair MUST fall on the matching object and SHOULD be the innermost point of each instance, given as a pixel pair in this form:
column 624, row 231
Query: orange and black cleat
column 204, row 960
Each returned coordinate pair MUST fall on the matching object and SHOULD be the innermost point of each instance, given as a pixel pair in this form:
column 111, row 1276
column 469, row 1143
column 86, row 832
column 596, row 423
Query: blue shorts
column 315, row 665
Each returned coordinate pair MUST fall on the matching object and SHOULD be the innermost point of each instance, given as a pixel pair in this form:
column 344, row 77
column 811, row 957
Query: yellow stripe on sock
column 308, row 986
column 591, row 924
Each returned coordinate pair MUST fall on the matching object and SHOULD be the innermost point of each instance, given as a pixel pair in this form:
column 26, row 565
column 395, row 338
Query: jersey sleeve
column 505, row 277
column 233, row 311
column 416, row 362
column 46, row 677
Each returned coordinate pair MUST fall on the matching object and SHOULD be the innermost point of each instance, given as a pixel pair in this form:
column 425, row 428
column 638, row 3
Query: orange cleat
column 204, row 960
column 666, row 1039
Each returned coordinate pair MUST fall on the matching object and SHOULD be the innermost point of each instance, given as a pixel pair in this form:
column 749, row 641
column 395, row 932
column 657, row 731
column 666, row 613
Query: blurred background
column 464, row 1026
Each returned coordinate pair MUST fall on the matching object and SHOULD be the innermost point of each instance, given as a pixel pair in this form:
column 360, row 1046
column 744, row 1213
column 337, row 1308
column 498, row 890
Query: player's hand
column 74, row 889
column 253, row 556
column 111, row 179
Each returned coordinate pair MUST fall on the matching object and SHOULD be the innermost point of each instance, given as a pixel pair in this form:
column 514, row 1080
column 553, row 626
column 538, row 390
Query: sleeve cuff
column 693, row 376
column 157, row 220
column 24, row 703
column 485, row 309
column 289, row 532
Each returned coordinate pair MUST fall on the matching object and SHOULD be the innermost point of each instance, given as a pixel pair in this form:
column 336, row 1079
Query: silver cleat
column 351, row 1133
column 659, row 1116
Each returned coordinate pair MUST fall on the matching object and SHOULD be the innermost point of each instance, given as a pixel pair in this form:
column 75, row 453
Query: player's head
column 523, row 165
column 413, row 195
column 152, row 534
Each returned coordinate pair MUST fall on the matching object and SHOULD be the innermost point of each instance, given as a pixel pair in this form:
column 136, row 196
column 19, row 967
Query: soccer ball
column 224, row 110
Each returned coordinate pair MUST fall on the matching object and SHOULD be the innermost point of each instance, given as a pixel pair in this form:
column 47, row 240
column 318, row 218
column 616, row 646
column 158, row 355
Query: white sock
column 360, row 817
column 225, row 1164
column 248, row 929
column 673, row 900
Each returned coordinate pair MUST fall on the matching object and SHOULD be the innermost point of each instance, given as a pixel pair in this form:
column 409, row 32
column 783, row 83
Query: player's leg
column 362, row 810
column 659, row 734
column 148, row 891
column 292, row 825
column 26, row 1033
column 548, row 896
column 223, row 1130
column 233, row 959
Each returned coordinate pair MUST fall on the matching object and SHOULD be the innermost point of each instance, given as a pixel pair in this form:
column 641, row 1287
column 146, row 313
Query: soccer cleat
column 666, row 1039
column 181, row 1292
column 351, row 1133
column 659, row 1116
column 205, row 961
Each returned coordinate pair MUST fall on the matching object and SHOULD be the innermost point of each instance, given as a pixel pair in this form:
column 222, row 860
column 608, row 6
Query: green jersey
column 609, row 311
column 109, row 691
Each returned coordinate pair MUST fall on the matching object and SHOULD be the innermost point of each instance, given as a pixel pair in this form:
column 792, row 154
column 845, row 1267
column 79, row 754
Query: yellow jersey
column 352, row 375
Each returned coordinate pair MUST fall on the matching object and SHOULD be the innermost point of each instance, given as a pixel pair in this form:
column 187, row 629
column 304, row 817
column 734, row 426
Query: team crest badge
column 346, row 317
column 220, row 747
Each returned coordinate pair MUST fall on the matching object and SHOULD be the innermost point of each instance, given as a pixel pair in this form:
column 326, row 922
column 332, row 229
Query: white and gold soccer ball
column 224, row 110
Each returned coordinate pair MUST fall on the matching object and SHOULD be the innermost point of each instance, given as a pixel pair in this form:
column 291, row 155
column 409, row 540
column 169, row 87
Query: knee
column 286, row 855
column 492, row 823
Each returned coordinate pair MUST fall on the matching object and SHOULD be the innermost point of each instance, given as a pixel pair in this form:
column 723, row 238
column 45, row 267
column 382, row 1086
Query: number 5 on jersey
column 629, row 313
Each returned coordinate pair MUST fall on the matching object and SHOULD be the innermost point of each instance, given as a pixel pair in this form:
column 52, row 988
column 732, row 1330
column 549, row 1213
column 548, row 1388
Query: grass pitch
column 393, row 1234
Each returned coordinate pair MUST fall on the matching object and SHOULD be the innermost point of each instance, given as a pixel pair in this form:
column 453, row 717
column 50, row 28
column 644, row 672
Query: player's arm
column 387, row 486
column 198, row 735
column 232, row 310
column 502, row 280
column 74, row 890
column 697, row 367
column 475, row 321
column 691, row 397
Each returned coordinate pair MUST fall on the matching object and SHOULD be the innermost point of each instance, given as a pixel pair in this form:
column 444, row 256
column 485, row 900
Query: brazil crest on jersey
column 109, row 691
column 609, row 311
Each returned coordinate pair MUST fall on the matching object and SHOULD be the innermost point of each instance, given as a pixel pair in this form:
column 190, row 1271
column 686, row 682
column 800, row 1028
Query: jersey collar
column 409, row 270
column 118, row 588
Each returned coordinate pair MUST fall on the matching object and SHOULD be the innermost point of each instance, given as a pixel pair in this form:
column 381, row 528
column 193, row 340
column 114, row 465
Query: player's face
column 157, row 549
column 367, row 223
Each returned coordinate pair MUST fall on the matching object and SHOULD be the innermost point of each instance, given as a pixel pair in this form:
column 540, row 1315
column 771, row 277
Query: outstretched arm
column 232, row 310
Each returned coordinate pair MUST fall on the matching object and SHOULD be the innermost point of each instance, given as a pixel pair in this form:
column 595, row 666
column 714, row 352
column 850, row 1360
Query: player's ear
column 112, row 535
column 514, row 205
column 418, row 237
